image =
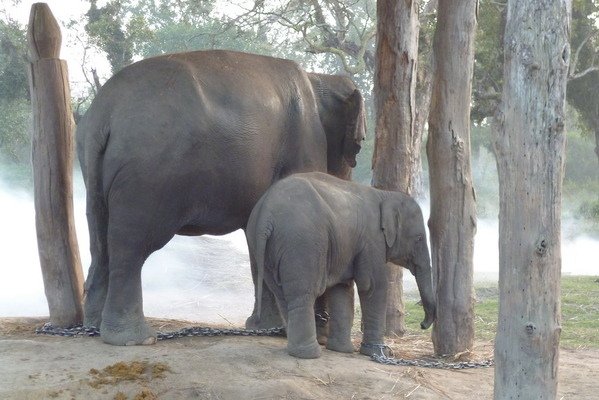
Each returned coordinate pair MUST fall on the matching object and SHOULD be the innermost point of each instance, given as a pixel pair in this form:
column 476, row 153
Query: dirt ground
column 43, row 367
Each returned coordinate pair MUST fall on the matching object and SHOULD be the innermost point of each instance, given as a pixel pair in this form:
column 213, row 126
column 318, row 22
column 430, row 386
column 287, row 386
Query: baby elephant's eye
column 419, row 238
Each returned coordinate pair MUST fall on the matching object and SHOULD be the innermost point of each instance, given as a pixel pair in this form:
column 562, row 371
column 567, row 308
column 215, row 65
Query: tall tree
column 115, row 32
column 339, row 28
column 453, row 215
column 583, row 76
column 397, row 148
column 530, row 157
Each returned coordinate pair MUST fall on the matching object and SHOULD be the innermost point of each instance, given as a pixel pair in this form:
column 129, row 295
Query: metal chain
column 382, row 359
column 80, row 330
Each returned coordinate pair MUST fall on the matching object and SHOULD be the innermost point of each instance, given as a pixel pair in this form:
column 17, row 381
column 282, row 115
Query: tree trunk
column 423, row 102
column 597, row 140
column 453, row 213
column 530, row 156
column 394, row 156
column 52, row 156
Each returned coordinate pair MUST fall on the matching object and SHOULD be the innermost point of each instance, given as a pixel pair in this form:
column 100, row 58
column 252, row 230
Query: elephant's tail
column 260, row 255
column 91, row 145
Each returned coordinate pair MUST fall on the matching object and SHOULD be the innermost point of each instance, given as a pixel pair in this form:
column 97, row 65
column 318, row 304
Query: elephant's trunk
column 424, row 280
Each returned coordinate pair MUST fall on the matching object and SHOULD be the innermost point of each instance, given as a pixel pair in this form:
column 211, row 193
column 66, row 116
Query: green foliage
column 589, row 209
column 581, row 182
column 15, row 127
column 581, row 162
column 13, row 56
column 119, row 33
column 582, row 87
column 488, row 59
column 584, row 77
column 15, row 108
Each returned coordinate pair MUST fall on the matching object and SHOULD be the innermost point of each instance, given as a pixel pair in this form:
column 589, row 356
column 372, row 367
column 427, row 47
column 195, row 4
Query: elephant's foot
column 92, row 319
column 93, row 307
column 127, row 334
column 311, row 350
column 341, row 345
column 322, row 332
column 380, row 349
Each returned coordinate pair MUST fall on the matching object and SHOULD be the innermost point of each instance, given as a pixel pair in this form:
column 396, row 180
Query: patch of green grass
column 580, row 312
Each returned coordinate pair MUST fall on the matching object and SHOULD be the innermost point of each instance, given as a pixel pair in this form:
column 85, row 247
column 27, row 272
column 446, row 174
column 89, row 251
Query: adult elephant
column 186, row 144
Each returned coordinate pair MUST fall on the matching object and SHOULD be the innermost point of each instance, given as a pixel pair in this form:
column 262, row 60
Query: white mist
column 204, row 279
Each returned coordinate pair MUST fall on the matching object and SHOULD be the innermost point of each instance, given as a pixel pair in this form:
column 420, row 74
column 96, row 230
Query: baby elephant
column 312, row 232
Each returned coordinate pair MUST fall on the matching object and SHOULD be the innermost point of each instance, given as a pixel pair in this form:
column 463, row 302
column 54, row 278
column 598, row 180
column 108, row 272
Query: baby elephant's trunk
column 424, row 280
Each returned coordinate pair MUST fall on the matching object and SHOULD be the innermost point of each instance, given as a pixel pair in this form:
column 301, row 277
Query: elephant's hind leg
column 301, row 329
column 96, row 287
column 132, row 237
column 96, row 284
column 299, row 282
column 270, row 316
column 341, row 304
column 123, row 321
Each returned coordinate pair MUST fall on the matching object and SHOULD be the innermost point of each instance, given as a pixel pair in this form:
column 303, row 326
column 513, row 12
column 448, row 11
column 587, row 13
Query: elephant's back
column 239, row 81
column 202, row 96
column 319, row 196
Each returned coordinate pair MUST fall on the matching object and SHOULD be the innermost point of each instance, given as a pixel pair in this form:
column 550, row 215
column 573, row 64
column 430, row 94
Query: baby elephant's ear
column 390, row 221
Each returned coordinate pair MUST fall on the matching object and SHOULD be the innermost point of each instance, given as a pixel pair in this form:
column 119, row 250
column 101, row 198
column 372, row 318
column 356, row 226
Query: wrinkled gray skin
column 313, row 232
column 186, row 144
column 331, row 92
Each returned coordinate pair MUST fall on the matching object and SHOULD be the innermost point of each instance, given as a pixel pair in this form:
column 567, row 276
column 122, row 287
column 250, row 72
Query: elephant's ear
column 356, row 127
column 390, row 221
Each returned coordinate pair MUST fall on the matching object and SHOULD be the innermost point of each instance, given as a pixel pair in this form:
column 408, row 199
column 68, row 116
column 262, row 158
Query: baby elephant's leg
column 341, row 306
column 301, row 327
column 299, row 280
column 373, row 301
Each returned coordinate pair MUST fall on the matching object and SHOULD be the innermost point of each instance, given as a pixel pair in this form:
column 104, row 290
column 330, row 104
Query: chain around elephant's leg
column 321, row 316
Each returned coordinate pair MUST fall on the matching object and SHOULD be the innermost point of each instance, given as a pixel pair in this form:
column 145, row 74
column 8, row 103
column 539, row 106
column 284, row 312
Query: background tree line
column 333, row 36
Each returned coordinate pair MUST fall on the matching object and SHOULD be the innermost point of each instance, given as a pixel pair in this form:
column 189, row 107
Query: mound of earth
column 238, row 367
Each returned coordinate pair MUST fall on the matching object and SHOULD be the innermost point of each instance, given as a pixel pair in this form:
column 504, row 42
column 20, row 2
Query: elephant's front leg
column 373, row 300
column 341, row 305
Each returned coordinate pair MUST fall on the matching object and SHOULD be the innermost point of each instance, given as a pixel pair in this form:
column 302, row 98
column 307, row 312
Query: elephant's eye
column 419, row 238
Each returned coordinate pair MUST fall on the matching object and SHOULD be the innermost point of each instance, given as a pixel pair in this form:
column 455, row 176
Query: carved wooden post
column 52, row 154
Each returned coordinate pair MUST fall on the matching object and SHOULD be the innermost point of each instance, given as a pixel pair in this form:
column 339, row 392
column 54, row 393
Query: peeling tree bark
column 453, row 213
column 530, row 159
column 396, row 150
